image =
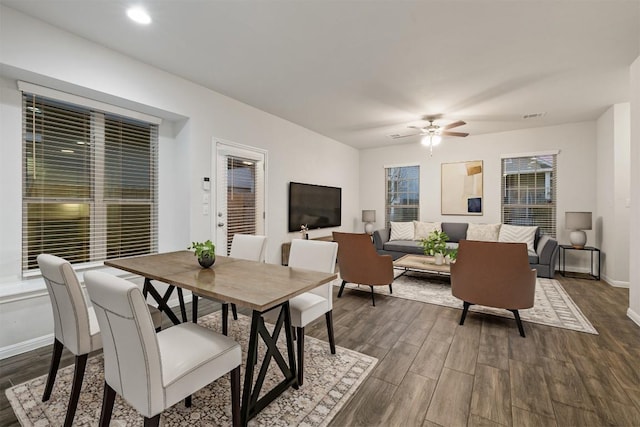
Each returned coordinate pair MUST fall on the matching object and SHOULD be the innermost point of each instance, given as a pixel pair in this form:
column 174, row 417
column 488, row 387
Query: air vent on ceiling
column 533, row 116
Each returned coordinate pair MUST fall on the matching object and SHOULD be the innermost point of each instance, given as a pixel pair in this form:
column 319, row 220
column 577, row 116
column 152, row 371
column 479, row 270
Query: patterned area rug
column 552, row 306
column 329, row 382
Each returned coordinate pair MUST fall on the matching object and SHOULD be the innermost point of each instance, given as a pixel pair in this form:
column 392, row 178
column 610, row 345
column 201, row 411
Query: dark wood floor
column 431, row 371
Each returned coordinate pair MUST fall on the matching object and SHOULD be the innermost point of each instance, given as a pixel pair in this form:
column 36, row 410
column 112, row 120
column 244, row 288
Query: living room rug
column 552, row 306
column 329, row 382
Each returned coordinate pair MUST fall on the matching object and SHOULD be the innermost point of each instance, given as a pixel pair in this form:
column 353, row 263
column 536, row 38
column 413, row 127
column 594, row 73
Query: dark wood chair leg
column 53, row 370
column 341, row 288
column 225, row 318
column 108, row 397
column 373, row 298
column 332, row 341
column 516, row 314
column 187, row 401
column 152, row 422
column 194, row 308
column 183, row 309
column 465, row 309
column 78, row 375
column 235, row 397
column 390, row 289
column 234, row 311
column 300, row 348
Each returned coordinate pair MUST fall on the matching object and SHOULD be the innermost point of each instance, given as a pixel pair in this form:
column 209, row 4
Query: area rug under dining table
column 552, row 305
column 329, row 382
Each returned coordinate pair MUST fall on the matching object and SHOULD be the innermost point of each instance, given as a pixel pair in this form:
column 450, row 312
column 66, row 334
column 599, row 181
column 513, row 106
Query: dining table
column 258, row 286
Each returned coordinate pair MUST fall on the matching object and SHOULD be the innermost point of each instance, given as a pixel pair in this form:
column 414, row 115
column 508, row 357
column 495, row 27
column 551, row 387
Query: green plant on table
column 435, row 243
column 204, row 249
column 452, row 253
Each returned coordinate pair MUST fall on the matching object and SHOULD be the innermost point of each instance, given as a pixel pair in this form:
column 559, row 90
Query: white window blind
column 402, row 194
column 89, row 183
column 529, row 191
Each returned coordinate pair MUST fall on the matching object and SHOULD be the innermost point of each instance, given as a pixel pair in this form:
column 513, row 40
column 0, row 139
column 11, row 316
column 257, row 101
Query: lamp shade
column 577, row 220
column 368, row 216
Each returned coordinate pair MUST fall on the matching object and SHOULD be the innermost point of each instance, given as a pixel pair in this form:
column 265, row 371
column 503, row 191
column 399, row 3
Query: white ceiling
column 358, row 71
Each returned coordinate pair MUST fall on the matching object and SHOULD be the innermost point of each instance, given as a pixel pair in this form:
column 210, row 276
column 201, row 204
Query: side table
column 590, row 249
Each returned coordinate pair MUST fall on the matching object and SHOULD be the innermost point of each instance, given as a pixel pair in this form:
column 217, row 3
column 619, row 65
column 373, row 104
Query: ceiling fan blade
column 398, row 136
column 445, row 133
column 454, row 125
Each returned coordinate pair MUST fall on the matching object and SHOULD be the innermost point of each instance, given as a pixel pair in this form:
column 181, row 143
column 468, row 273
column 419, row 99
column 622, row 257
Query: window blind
column 402, row 194
column 89, row 183
column 244, row 183
column 529, row 191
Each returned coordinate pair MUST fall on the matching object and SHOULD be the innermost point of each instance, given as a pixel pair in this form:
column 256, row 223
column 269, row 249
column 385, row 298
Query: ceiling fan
column 432, row 133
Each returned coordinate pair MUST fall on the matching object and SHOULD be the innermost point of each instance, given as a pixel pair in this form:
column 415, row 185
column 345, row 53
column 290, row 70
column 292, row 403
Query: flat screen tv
column 317, row 206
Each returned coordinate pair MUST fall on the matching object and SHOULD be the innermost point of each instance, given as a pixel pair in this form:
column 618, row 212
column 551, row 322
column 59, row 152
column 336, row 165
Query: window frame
column 528, row 193
column 410, row 207
column 97, row 201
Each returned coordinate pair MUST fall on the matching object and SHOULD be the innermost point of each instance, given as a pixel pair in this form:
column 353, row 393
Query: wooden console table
column 286, row 247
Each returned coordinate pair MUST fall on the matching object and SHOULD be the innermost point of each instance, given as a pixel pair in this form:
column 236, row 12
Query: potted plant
column 206, row 252
column 452, row 254
column 435, row 245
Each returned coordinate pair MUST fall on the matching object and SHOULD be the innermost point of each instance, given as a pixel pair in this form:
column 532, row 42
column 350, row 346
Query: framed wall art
column 461, row 188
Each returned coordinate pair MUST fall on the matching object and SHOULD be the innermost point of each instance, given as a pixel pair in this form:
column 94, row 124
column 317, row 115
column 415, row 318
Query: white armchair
column 154, row 371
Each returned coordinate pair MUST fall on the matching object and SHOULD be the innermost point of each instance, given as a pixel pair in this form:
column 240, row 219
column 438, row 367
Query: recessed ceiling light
column 139, row 15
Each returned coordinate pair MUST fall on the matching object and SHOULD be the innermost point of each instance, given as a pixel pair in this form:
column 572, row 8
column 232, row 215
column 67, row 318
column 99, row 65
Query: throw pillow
column 483, row 232
column 401, row 231
column 518, row 234
column 423, row 229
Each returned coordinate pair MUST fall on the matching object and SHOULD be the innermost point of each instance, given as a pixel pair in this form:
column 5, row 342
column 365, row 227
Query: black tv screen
column 316, row 206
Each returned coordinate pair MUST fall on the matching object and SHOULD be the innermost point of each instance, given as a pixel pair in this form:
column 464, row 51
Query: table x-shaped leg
column 250, row 403
column 161, row 300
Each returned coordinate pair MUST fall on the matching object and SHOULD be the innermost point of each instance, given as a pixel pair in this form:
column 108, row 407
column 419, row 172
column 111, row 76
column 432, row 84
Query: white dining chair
column 243, row 246
column 313, row 255
column 153, row 371
column 75, row 325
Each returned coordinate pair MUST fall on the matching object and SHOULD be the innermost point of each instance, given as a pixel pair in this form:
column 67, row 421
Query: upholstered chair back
column 315, row 255
column 493, row 274
column 70, row 312
column 131, row 354
column 249, row 247
column 359, row 262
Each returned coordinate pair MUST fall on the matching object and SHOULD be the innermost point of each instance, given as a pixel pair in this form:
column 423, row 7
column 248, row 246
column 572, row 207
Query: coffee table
column 421, row 263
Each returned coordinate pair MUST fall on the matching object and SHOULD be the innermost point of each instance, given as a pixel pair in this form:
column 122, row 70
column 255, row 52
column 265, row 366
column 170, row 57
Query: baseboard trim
column 25, row 346
column 635, row 317
column 616, row 283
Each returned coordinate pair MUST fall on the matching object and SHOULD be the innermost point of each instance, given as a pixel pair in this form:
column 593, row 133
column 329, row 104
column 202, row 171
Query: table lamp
column 577, row 222
column 368, row 217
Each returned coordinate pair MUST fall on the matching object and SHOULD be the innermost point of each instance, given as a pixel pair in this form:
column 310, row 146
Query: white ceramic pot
column 439, row 259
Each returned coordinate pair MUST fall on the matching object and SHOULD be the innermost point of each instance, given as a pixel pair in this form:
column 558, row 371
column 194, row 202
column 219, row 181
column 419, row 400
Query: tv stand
column 286, row 247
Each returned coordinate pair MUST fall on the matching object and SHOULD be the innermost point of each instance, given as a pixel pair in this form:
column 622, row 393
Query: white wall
column 193, row 117
column 576, row 177
column 634, row 238
column 611, row 220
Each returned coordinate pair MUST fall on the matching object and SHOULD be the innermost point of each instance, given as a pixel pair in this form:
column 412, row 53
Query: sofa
column 543, row 255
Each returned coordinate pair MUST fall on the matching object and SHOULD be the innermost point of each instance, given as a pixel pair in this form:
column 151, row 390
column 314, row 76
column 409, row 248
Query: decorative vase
column 439, row 259
column 206, row 261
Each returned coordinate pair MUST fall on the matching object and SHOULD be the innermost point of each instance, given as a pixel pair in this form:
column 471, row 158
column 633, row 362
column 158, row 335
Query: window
column 529, row 191
column 402, row 194
column 89, row 183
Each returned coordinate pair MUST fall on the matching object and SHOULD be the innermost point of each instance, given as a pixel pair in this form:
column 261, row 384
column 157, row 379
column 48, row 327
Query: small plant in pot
column 452, row 254
column 435, row 245
column 206, row 252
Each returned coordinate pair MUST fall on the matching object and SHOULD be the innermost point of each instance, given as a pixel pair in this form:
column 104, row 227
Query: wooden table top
column 421, row 262
column 256, row 285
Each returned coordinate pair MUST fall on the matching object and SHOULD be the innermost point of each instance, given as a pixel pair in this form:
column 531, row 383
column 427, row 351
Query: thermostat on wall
column 206, row 185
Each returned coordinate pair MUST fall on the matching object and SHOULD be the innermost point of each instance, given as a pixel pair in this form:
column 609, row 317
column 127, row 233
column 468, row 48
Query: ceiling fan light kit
column 432, row 134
